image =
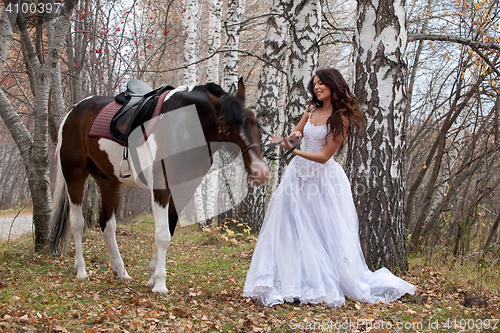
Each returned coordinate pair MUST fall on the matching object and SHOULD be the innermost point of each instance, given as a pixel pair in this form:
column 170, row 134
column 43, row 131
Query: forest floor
column 205, row 276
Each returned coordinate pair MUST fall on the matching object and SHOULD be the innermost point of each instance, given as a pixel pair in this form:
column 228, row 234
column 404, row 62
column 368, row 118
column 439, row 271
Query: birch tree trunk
column 305, row 29
column 34, row 148
column 271, row 95
column 190, row 19
column 269, row 107
column 232, row 27
column 214, row 39
column 229, row 83
column 377, row 161
column 280, row 107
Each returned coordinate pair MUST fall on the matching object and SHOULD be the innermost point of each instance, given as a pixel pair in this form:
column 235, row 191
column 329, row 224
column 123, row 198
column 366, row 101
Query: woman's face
column 322, row 92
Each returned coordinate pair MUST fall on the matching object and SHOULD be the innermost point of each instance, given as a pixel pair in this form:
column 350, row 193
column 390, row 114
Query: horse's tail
column 58, row 223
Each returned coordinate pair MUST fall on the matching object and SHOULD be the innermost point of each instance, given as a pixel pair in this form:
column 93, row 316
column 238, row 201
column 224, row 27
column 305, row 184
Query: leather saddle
column 139, row 101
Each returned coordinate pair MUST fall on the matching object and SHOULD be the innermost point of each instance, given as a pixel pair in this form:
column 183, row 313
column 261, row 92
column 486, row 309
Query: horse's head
column 238, row 125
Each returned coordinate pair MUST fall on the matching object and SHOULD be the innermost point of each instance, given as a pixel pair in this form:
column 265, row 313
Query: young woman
column 308, row 248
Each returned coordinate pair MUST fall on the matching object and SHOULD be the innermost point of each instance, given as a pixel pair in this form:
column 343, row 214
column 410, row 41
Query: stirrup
column 127, row 172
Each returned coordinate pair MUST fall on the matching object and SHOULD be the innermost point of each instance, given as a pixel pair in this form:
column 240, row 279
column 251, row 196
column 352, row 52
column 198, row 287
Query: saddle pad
column 100, row 126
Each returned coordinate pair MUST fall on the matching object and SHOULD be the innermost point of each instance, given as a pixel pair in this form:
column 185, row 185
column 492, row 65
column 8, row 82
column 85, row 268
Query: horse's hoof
column 124, row 276
column 82, row 277
column 161, row 290
column 150, row 283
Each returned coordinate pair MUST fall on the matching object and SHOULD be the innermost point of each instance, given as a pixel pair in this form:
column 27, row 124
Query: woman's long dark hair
column 343, row 101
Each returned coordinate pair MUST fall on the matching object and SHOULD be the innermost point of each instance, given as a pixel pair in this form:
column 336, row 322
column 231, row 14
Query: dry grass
column 206, row 272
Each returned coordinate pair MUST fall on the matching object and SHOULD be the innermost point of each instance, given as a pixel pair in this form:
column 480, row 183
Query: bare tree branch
column 454, row 39
column 250, row 54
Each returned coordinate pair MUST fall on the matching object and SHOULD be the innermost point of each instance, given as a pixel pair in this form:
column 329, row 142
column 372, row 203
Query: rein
column 266, row 149
column 269, row 148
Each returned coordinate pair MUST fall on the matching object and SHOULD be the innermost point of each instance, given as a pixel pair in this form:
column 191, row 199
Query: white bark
column 199, row 204
column 378, row 159
column 212, row 188
column 290, row 57
column 232, row 27
column 269, row 105
column 214, row 40
column 190, row 20
column 271, row 98
column 305, row 29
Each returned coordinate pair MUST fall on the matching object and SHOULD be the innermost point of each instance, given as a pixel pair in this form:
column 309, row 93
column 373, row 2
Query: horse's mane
column 231, row 107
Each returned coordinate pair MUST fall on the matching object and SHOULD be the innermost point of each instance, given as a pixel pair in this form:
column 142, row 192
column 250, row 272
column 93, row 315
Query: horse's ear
column 214, row 100
column 240, row 94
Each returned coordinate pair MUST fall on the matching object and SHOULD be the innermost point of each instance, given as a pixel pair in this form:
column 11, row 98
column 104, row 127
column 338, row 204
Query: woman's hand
column 276, row 138
column 295, row 133
column 287, row 145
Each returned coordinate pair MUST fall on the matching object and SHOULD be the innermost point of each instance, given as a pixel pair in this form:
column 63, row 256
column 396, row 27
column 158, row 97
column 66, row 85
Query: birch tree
column 190, row 19
column 214, row 40
column 377, row 161
column 304, row 18
column 232, row 26
column 34, row 146
column 269, row 105
column 290, row 57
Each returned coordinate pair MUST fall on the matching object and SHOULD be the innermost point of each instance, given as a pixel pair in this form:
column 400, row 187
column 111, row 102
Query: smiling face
column 322, row 92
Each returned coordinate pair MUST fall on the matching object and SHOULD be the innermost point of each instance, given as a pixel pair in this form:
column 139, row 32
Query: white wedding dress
column 308, row 248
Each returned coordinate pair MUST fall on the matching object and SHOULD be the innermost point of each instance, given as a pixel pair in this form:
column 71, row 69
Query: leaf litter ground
column 205, row 276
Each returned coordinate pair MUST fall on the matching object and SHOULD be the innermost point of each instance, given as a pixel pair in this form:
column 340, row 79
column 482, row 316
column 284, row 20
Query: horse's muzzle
column 259, row 173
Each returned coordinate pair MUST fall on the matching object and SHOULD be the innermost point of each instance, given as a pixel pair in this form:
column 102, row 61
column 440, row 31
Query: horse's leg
column 75, row 180
column 158, row 275
column 152, row 268
column 110, row 193
column 172, row 216
column 77, row 225
column 172, row 221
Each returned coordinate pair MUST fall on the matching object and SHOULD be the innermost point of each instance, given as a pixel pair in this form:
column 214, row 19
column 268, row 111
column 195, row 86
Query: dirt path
column 22, row 224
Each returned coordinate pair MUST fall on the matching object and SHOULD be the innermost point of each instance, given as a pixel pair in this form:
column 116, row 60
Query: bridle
column 222, row 124
column 250, row 146
column 265, row 149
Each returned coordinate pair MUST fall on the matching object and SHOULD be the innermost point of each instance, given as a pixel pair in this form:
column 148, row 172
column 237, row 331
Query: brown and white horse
column 223, row 119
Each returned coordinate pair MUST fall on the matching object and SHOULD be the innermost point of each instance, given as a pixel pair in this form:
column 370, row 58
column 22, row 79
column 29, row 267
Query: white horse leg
column 77, row 223
column 117, row 264
column 162, row 242
column 152, row 268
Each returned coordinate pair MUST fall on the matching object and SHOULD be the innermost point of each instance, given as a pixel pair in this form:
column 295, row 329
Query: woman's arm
column 300, row 126
column 331, row 146
column 298, row 130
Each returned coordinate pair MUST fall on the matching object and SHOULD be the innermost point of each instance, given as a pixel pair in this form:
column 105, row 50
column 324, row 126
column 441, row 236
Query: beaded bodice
column 313, row 141
column 314, row 137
